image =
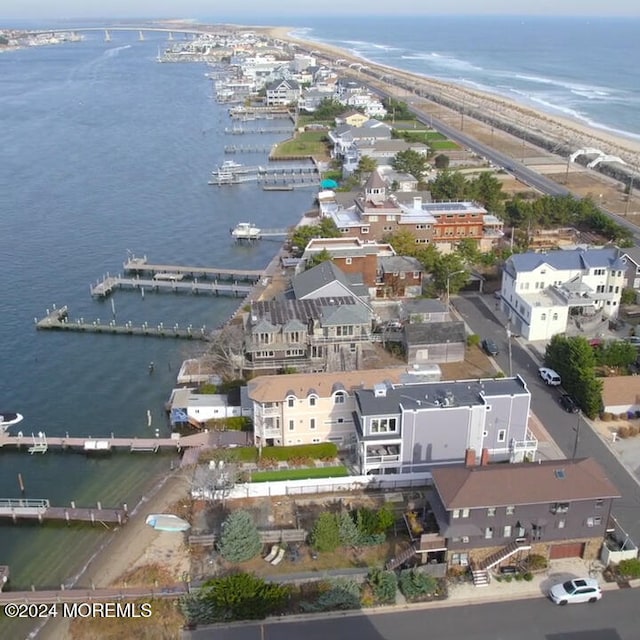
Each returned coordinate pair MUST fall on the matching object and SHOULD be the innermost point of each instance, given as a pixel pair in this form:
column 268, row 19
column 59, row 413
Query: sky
column 60, row 9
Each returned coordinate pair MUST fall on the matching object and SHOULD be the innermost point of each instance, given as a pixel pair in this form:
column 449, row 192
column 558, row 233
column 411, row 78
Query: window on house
column 312, row 401
column 506, row 532
column 292, row 425
column 543, row 316
column 291, row 402
column 502, row 435
column 555, row 316
column 491, row 512
column 562, row 523
column 599, row 503
column 510, row 510
column 560, row 507
column 488, row 533
column 340, row 420
column 464, row 539
column 460, row 559
column 339, row 398
column 383, row 425
column 312, row 423
column 364, row 230
column 455, row 513
column 465, row 513
column 594, row 521
column 348, row 261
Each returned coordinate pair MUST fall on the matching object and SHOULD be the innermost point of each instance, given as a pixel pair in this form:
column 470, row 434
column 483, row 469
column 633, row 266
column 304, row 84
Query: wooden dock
column 41, row 443
column 41, row 510
column 109, row 283
column 141, row 265
column 58, row 320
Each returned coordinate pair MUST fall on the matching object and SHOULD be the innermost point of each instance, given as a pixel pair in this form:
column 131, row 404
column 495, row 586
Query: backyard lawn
column 308, row 143
column 299, row 474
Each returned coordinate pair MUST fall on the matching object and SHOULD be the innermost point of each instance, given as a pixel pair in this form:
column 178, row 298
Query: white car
column 576, row 591
column 550, row 377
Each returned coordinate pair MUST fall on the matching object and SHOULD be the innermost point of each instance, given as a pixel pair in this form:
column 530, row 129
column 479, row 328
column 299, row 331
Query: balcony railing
column 382, row 459
column 529, row 444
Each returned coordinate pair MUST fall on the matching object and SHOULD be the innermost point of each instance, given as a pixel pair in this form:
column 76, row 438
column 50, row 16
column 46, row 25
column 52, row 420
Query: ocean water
column 583, row 68
column 106, row 151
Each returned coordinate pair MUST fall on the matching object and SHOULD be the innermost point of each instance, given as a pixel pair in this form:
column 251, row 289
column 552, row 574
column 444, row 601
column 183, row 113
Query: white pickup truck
column 550, row 377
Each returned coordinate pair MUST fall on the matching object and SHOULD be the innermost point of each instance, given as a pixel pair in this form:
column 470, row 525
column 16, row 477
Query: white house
column 541, row 290
column 187, row 406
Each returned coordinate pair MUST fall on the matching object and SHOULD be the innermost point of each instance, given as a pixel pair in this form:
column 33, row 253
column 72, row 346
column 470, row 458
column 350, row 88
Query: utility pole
column 575, row 442
column 626, row 207
column 509, row 349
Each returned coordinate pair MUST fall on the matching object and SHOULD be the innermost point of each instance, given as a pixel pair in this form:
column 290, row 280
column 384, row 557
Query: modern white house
column 542, row 291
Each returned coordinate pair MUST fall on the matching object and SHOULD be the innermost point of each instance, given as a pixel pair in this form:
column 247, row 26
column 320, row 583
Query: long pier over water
column 58, row 320
column 141, row 265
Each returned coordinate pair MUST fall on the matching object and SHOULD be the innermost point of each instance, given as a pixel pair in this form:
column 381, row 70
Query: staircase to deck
column 480, row 570
column 402, row 557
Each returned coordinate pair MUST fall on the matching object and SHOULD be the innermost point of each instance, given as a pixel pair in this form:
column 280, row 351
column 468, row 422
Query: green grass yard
column 299, row 474
column 308, row 143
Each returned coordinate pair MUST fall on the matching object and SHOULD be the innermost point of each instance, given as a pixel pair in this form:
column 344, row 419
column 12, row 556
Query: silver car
column 576, row 591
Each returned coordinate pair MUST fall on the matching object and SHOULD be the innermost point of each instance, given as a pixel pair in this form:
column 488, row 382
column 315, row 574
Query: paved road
column 563, row 427
column 613, row 618
column 517, row 169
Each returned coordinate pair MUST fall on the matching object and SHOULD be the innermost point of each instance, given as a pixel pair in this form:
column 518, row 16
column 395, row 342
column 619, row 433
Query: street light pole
column 454, row 273
column 575, row 442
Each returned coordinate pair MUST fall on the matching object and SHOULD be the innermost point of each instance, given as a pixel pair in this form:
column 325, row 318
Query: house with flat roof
column 416, row 427
column 542, row 292
column 434, row 342
column 490, row 515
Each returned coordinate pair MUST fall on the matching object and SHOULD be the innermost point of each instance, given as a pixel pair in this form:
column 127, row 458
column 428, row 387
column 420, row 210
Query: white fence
column 322, row 485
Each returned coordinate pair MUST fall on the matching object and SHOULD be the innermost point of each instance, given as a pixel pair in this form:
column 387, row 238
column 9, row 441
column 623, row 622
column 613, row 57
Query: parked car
column 550, row 377
column 568, row 403
column 490, row 347
column 576, row 591
column 635, row 340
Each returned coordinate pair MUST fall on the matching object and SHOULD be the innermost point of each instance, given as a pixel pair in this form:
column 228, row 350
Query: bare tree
column 225, row 352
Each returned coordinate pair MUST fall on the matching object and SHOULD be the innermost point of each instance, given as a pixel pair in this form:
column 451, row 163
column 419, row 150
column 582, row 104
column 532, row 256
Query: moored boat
column 8, row 418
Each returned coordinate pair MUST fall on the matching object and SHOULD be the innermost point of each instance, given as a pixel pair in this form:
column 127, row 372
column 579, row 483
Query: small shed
column 435, row 342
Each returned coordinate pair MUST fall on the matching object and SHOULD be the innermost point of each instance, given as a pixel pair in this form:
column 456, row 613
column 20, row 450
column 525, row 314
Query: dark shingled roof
column 501, row 485
column 435, row 332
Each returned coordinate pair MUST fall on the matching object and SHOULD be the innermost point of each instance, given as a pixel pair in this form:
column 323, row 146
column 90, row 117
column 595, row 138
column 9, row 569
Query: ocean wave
column 443, row 60
column 564, row 84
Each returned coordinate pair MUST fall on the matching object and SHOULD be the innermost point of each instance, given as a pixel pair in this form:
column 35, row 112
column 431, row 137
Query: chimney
column 484, row 458
column 470, row 458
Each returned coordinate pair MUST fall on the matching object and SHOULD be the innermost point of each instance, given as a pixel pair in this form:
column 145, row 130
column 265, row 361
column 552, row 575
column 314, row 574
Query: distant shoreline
column 571, row 133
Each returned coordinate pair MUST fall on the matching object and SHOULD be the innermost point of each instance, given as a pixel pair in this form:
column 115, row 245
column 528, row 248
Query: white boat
column 167, row 522
column 7, row 419
column 229, row 166
column 246, row 231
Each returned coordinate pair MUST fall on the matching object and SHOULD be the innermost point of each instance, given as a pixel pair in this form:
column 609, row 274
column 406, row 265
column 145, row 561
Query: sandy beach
column 136, row 545
column 567, row 132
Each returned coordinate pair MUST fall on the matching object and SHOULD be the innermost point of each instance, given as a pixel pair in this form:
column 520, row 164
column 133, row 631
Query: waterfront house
column 404, row 428
column 314, row 334
column 327, row 280
column 282, row 92
column 541, row 292
column 310, row 408
column 488, row 515
column 187, row 406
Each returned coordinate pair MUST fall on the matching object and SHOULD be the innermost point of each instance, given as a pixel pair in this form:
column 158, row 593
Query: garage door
column 567, row 550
